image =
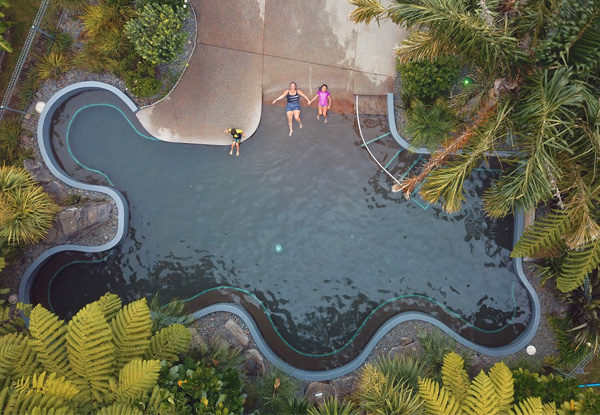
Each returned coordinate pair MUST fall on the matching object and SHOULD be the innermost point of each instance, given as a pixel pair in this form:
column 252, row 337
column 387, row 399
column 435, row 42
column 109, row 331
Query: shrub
column 157, row 33
column 63, row 42
column 585, row 313
column 271, row 391
column 436, row 345
column 202, row 389
column 53, row 65
column 173, row 3
column 334, row 407
column 430, row 126
column 427, row 80
column 404, row 369
column 26, row 211
column 549, row 388
column 10, row 131
column 568, row 354
column 73, row 5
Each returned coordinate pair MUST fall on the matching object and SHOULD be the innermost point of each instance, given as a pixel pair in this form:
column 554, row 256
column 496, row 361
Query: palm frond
column 367, row 10
column 421, row 45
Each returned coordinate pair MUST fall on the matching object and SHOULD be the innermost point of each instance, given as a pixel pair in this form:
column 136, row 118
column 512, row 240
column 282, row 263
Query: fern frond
column 42, row 393
column 110, row 304
column 91, row 350
column 168, row 343
column 454, row 376
column 549, row 409
column 131, row 332
column 437, row 401
column 48, row 384
column 28, row 362
column 504, row 385
column 52, row 411
column 577, row 266
column 9, row 354
column 482, row 398
column 161, row 401
column 137, row 378
column 545, row 234
column 121, row 409
column 48, row 332
column 530, row 406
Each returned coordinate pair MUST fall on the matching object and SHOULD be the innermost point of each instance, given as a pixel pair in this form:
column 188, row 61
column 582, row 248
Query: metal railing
column 22, row 58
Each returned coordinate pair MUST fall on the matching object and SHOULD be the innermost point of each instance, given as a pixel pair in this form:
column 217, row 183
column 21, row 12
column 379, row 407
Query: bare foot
column 291, row 132
column 325, row 121
column 237, row 154
column 300, row 124
column 231, row 152
column 318, row 117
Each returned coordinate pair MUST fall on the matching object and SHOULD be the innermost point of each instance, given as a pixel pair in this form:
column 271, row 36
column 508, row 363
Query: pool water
column 302, row 231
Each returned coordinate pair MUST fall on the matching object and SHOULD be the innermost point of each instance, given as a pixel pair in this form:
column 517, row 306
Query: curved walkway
column 247, row 50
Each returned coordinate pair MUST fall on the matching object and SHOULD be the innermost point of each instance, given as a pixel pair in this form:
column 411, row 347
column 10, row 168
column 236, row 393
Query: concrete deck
column 247, row 52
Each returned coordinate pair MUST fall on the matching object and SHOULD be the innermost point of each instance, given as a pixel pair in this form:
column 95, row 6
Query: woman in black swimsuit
column 292, row 107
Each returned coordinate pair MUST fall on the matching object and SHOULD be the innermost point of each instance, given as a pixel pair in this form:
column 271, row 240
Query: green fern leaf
column 454, row 376
column 28, row 362
column 136, row 379
column 9, row 354
column 91, row 350
column 482, row 398
column 504, row 385
column 52, row 411
column 168, row 343
column 48, row 333
column 121, row 409
column 545, row 234
column 131, row 332
column 577, row 266
column 437, row 401
column 48, row 384
column 42, row 394
column 110, row 305
column 530, row 406
column 549, row 409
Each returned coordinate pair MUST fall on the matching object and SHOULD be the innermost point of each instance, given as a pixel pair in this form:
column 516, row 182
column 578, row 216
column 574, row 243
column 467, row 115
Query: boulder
column 77, row 221
column 317, row 392
column 56, row 190
column 344, row 387
column 476, row 366
column 37, row 170
column 232, row 335
column 406, row 349
column 197, row 341
column 254, row 365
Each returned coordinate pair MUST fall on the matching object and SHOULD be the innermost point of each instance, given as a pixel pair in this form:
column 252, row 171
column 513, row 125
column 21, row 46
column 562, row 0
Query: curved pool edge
column 122, row 206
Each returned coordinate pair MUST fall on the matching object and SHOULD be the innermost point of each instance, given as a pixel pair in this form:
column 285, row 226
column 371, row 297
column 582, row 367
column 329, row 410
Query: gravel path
column 544, row 340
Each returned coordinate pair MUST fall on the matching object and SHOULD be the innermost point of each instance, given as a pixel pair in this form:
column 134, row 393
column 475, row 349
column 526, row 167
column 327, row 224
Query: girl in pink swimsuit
column 324, row 101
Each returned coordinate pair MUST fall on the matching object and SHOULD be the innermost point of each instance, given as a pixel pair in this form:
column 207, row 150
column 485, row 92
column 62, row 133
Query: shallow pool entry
column 301, row 232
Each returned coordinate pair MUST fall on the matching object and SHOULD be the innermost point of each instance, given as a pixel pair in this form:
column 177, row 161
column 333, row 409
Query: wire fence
column 16, row 78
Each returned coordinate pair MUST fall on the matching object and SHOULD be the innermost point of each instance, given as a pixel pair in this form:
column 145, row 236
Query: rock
column 410, row 349
column 37, row 170
column 558, row 308
column 476, row 366
column 405, row 341
column 57, row 191
column 317, row 392
column 343, row 387
column 254, row 365
column 197, row 341
column 77, row 221
column 232, row 335
column 24, row 139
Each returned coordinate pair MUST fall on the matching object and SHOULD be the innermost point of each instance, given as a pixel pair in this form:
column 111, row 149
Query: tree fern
column 577, row 266
column 482, row 398
column 45, row 393
column 48, row 333
column 48, row 384
column 110, row 305
column 545, row 234
column 137, row 378
column 504, row 386
column 28, row 362
column 454, row 376
column 121, row 409
column 9, row 352
column 530, row 406
column 436, row 400
column 91, row 350
column 131, row 332
column 168, row 343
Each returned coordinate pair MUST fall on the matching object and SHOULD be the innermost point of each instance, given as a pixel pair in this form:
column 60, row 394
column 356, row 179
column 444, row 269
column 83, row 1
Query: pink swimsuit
column 323, row 98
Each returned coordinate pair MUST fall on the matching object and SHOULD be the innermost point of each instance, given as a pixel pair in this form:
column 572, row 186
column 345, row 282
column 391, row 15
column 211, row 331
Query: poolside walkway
column 247, row 52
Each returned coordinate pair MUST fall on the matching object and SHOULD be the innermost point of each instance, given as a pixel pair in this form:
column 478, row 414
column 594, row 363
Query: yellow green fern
column 48, row 332
column 168, row 342
column 131, row 332
column 454, row 376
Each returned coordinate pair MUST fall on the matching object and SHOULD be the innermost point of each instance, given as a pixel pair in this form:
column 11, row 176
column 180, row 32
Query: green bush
column 63, row 42
column 173, row 3
column 427, row 80
column 430, row 125
column 585, row 313
column 271, row 392
column 332, row 406
column 140, row 79
column 201, row 389
column 549, row 388
column 10, row 131
column 568, row 354
column 53, row 65
column 157, row 33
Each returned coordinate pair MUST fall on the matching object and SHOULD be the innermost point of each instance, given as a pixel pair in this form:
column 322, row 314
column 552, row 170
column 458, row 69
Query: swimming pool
column 300, row 233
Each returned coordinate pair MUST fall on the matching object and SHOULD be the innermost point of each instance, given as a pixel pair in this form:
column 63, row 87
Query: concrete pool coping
column 44, row 141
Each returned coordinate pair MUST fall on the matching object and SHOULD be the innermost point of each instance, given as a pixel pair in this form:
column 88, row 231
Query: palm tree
column 542, row 58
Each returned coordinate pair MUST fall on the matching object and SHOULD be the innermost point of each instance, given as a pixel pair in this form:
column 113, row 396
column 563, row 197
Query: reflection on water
column 349, row 247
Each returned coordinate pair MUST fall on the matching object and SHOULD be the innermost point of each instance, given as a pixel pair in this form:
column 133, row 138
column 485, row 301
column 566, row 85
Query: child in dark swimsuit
column 237, row 137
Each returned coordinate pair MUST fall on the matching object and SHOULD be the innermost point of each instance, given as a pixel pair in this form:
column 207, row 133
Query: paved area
column 247, row 52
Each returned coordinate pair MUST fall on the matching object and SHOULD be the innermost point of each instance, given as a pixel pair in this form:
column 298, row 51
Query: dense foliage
column 157, row 33
column 426, row 80
column 3, row 26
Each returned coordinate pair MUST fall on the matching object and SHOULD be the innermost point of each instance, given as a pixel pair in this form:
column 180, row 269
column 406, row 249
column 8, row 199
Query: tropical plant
column 10, row 131
column 436, row 345
column 3, row 26
column 540, row 58
column 204, row 389
column 333, row 406
column 430, row 125
column 491, row 393
column 377, row 393
column 569, row 354
column 26, row 211
column 404, row 369
column 549, row 388
column 52, row 65
column 103, row 361
column 157, row 33
column 293, row 406
column 272, row 391
column 426, row 80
